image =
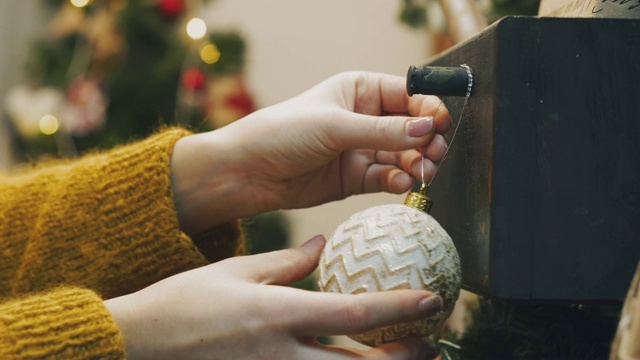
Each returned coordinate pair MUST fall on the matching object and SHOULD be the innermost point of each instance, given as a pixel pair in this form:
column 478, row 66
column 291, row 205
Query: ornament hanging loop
column 419, row 200
column 442, row 81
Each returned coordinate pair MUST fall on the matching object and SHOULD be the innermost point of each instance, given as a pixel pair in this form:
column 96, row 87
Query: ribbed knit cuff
column 66, row 323
column 107, row 222
column 218, row 243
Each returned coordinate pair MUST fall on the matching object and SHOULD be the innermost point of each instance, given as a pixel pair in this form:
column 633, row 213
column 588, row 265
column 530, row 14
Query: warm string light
column 210, row 54
column 196, row 28
column 49, row 124
column 80, row 3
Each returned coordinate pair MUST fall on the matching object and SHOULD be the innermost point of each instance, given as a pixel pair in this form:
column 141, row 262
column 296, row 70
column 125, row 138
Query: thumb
column 391, row 133
column 286, row 266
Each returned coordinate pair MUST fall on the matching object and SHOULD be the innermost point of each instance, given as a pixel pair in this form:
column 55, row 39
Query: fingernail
column 403, row 180
column 420, row 127
column 430, row 306
column 314, row 242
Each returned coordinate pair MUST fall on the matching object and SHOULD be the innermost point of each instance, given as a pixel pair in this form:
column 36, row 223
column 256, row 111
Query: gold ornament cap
column 419, row 200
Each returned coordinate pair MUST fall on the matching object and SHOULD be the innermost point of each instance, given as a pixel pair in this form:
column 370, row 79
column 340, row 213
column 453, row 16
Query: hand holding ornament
column 238, row 309
column 390, row 247
column 356, row 132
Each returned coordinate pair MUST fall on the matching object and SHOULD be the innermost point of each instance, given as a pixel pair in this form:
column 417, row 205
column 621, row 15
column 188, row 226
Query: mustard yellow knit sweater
column 73, row 233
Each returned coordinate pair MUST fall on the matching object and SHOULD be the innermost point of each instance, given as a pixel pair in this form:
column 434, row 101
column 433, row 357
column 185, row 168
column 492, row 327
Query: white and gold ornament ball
column 389, row 247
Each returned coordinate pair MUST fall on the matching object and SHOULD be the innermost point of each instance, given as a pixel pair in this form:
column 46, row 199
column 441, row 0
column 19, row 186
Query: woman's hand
column 239, row 309
column 354, row 133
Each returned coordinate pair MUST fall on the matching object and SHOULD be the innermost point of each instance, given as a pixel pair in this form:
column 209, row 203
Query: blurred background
column 76, row 75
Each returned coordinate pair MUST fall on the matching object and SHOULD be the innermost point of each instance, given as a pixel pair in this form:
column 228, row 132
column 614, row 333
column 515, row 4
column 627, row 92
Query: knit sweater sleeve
column 75, row 232
column 64, row 323
column 106, row 221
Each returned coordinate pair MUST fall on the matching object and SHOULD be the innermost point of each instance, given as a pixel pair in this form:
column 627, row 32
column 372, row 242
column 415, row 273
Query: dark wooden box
column 541, row 189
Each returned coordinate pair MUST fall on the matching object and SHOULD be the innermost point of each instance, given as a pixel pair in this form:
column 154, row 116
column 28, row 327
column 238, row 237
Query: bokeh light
column 80, row 3
column 196, row 28
column 210, row 54
column 49, row 124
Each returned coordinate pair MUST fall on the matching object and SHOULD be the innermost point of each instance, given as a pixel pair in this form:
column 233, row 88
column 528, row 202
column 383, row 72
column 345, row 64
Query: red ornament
column 241, row 101
column 193, row 79
column 171, row 8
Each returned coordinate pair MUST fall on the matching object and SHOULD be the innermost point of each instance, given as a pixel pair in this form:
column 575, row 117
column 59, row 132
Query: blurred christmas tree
column 110, row 71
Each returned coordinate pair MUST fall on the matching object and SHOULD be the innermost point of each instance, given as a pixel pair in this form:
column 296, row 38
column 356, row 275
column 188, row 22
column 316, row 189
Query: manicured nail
column 314, row 242
column 420, row 127
column 430, row 306
column 403, row 180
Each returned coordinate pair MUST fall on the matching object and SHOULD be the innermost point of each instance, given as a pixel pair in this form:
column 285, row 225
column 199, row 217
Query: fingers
column 436, row 149
column 386, row 178
column 340, row 314
column 422, row 105
column 377, row 94
column 394, row 172
column 380, row 94
column 365, row 120
column 424, row 170
column 391, row 133
column 393, row 99
column 407, row 160
column 281, row 267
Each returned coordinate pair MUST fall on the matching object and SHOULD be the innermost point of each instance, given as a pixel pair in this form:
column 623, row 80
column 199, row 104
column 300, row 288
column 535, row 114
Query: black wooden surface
column 541, row 188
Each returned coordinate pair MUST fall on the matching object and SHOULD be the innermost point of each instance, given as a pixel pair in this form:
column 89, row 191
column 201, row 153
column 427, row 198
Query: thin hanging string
column 455, row 131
